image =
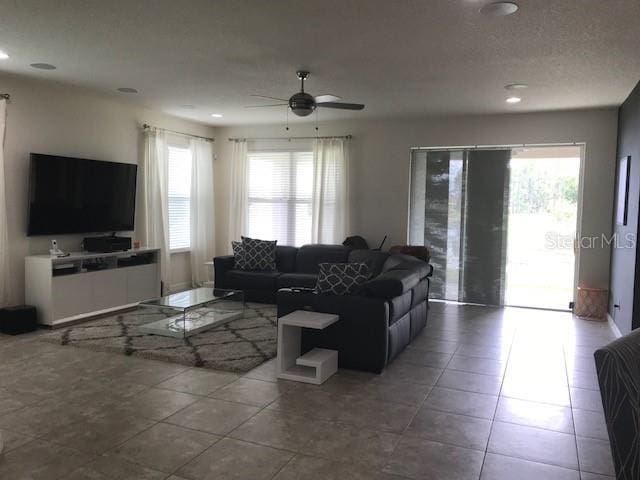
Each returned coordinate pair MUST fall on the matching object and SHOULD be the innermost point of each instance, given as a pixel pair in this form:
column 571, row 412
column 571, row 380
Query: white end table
column 316, row 365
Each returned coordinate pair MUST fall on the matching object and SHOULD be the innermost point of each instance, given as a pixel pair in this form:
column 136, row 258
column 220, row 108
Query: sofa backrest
column 375, row 259
column 309, row 257
column 407, row 262
column 286, row 259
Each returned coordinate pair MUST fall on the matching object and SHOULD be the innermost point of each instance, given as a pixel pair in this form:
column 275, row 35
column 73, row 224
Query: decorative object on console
column 106, row 244
column 341, row 278
column 259, row 255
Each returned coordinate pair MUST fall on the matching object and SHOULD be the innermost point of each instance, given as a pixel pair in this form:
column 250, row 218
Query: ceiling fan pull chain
column 287, row 119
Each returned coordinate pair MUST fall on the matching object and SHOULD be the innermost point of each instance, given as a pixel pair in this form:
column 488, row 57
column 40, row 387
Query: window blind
column 280, row 191
column 179, row 198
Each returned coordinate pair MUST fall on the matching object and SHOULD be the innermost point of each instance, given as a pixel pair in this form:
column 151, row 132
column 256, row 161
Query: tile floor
column 483, row 393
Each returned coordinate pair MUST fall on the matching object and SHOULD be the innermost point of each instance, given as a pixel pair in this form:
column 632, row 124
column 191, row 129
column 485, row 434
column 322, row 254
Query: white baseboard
column 179, row 287
column 613, row 326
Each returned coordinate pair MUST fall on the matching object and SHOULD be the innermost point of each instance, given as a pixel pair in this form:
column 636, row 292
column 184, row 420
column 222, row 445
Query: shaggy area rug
column 237, row 346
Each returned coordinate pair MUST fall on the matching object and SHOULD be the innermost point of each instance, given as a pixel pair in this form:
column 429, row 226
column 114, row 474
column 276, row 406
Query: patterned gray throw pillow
column 258, row 255
column 341, row 278
column 238, row 256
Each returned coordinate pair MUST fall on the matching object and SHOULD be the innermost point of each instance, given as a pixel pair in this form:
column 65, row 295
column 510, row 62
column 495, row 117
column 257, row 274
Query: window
column 280, row 190
column 179, row 198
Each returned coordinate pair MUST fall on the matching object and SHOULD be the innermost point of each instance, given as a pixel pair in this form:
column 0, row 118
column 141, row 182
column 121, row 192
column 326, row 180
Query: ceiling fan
column 303, row 104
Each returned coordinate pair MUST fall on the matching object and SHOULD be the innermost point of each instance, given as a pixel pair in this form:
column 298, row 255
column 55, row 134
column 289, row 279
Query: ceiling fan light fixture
column 43, row 66
column 513, row 100
column 3, row 55
column 499, row 9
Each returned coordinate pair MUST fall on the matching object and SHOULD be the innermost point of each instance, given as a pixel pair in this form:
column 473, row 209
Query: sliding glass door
column 485, row 214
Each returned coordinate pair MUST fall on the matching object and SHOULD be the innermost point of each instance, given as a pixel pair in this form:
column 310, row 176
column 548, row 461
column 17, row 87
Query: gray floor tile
column 463, row 403
column 595, row 456
column 470, row 382
column 165, row 447
column 113, row 467
column 249, row 391
column 358, row 446
column 584, row 399
column 484, row 366
column 499, row 467
column 40, row 460
column 424, row 357
column 213, row 416
column 198, row 381
column 313, row 468
column 279, row 430
column 541, row 415
column 157, row 403
column 590, row 424
column 419, row 458
column 459, row 430
column 235, row 459
column 535, row 444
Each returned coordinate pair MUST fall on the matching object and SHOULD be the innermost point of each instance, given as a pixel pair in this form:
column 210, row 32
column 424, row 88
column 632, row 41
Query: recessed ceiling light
column 499, row 9
column 516, row 86
column 216, row 115
column 127, row 90
column 43, row 66
column 513, row 100
column 3, row 55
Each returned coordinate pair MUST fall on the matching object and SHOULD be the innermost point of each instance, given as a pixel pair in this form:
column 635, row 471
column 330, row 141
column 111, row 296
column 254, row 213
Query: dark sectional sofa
column 376, row 323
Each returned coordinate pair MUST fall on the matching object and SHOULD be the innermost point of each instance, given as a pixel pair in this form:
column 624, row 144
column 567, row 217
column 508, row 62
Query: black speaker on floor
column 18, row 319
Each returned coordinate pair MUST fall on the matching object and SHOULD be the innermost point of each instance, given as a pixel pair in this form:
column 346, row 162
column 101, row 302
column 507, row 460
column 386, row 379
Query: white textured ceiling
column 399, row 57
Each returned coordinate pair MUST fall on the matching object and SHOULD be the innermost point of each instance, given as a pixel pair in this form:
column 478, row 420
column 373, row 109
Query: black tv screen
column 74, row 195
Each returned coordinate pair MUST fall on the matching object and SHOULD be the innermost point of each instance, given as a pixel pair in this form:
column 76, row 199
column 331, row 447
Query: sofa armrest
column 618, row 368
column 360, row 336
column 221, row 265
column 391, row 284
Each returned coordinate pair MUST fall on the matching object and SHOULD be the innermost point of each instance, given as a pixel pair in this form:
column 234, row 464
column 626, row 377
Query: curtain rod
column 513, row 145
column 146, row 126
column 6, row 96
column 242, row 139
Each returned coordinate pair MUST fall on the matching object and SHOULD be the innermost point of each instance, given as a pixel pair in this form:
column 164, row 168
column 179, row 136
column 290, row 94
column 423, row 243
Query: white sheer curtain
column 6, row 287
column 154, row 200
column 202, row 210
column 238, row 202
column 330, row 212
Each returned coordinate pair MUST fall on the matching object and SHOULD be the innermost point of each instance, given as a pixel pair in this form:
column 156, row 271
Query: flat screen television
column 75, row 195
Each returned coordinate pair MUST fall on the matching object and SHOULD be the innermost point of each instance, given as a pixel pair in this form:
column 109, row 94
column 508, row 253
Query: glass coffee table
column 193, row 311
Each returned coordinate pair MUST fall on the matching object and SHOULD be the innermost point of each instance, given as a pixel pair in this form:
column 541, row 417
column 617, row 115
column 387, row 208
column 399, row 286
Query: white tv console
column 65, row 296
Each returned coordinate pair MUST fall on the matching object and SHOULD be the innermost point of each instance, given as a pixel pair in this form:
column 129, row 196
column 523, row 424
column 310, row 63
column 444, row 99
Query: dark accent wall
column 625, row 268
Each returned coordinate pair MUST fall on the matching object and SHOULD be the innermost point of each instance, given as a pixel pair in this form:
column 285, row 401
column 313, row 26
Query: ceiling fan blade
column 270, row 98
column 272, row 105
column 327, row 98
column 343, row 106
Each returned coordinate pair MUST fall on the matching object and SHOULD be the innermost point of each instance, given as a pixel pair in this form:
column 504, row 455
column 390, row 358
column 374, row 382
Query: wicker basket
column 592, row 303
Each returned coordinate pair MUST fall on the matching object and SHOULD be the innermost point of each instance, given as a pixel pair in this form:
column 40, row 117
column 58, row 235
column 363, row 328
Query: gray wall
column 623, row 259
column 379, row 181
column 47, row 117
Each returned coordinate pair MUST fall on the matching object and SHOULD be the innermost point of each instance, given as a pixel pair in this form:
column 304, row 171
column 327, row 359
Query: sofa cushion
column 286, row 258
column 259, row 255
column 399, row 306
column 373, row 258
column 391, row 284
column 302, row 280
column 310, row 257
column 341, row 278
column 243, row 280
